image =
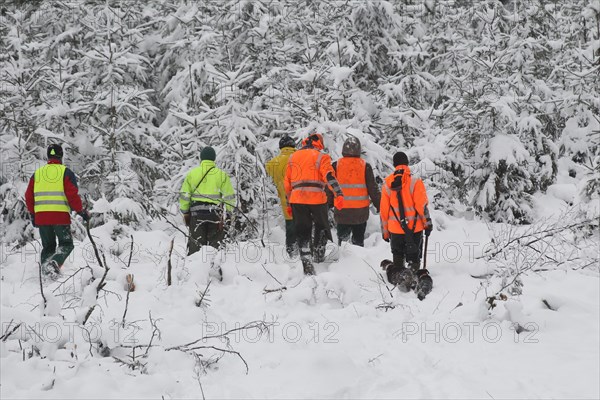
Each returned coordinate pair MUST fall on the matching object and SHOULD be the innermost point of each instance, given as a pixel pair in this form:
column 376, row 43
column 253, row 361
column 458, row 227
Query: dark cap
column 54, row 151
column 208, row 153
column 400, row 158
column 286, row 141
column 351, row 147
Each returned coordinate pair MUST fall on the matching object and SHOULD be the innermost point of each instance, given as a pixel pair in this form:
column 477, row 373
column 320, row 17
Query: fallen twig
column 281, row 289
column 41, row 285
column 169, row 263
column 155, row 332
column 270, row 274
column 126, row 305
column 102, row 283
column 386, row 306
column 203, row 300
column 96, row 252
column 130, row 252
column 8, row 333
column 61, row 283
column 218, row 349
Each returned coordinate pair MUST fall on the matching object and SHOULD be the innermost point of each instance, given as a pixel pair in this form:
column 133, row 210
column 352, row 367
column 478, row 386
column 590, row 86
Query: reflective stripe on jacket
column 215, row 188
column 276, row 168
column 306, row 176
column 350, row 173
column 414, row 198
column 49, row 189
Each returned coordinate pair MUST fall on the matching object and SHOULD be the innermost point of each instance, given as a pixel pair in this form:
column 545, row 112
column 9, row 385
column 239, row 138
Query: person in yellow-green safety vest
column 204, row 192
column 276, row 170
column 51, row 195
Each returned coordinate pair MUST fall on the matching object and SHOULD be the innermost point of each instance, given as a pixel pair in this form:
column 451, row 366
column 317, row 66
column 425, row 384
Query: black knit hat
column 208, row 153
column 54, row 151
column 286, row 141
column 351, row 147
column 400, row 158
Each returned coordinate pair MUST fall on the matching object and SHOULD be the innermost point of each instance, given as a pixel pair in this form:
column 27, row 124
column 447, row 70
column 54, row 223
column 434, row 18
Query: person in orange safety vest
column 357, row 181
column 307, row 175
column 404, row 224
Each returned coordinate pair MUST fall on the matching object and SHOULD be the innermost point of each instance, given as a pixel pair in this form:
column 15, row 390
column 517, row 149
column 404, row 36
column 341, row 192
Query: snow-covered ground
column 329, row 336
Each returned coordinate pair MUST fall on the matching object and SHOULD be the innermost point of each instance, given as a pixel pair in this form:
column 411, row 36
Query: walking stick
column 424, row 283
column 425, row 252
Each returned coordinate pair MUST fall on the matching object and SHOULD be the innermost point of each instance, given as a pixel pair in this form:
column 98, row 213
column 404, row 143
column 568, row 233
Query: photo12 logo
column 454, row 332
column 69, row 331
column 290, row 332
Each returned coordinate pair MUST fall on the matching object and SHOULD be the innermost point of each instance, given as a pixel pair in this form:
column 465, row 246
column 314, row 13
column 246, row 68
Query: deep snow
column 328, row 337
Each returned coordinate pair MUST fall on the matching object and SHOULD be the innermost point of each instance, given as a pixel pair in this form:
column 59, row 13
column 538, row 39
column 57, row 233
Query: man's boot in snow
column 292, row 251
column 306, row 258
column 399, row 260
column 51, row 269
column 424, row 283
column 319, row 246
column 307, row 265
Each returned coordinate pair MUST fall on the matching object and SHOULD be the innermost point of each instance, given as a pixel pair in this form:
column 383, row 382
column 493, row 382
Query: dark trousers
column 49, row 234
column 290, row 236
column 399, row 250
column 205, row 229
column 305, row 217
column 356, row 231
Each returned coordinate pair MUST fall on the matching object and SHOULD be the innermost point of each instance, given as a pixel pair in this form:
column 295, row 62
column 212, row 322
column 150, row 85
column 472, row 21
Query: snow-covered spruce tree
column 120, row 127
column 577, row 55
column 210, row 105
column 273, row 46
column 497, row 114
column 305, row 88
column 377, row 29
column 233, row 129
column 577, row 69
column 188, row 48
column 23, row 138
column 408, row 89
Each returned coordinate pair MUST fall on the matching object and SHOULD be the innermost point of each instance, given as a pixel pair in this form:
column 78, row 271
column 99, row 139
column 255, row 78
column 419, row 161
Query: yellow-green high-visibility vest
column 215, row 188
column 49, row 189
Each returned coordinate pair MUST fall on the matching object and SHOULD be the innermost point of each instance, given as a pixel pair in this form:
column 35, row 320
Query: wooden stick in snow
column 170, row 264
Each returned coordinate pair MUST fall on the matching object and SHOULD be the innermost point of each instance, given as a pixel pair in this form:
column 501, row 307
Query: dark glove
column 186, row 219
column 32, row 217
column 85, row 215
column 386, row 238
column 397, row 182
column 428, row 229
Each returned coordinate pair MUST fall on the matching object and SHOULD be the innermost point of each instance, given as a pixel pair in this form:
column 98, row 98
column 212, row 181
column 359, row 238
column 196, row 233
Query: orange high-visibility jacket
column 306, row 176
column 352, row 178
column 414, row 198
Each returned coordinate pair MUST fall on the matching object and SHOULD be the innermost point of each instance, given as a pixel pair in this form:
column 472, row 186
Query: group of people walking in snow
column 308, row 184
